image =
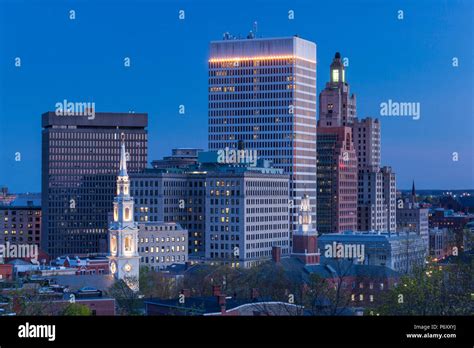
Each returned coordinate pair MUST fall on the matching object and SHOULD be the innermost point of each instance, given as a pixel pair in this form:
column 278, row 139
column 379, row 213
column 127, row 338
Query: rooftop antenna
column 255, row 28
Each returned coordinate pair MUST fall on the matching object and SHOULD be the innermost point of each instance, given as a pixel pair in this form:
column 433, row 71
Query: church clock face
column 113, row 267
column 127, row 267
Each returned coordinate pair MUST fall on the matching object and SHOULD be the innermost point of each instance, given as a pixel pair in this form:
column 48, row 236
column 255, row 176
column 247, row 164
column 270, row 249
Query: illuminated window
column 335, row 75
column 113, row 244
column 128, row 243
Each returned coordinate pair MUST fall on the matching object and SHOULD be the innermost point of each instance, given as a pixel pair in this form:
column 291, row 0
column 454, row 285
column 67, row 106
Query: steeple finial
column 413, row 193
column 123, row 157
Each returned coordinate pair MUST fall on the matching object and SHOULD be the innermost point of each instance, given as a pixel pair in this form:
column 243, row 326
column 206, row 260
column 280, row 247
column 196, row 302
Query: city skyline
column 416, row 149
column 261, row 158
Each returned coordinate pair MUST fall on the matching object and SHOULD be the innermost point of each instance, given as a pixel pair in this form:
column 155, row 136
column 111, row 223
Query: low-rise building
column 398, row 251
column 454, row 222
column 21, row 221
column 412, row 218
column 441, row 243
column 6, row 272
column 84, row 266
column 220, row 304
column 161, row 244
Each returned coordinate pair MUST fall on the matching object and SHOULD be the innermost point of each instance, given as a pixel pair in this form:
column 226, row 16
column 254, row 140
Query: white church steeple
column 305, row 238
column 123, row 230
column 304, row 217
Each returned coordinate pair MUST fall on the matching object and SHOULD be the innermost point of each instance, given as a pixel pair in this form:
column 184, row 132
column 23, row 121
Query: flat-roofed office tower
column 80, row 160
column 262, row 93
column 377, row 186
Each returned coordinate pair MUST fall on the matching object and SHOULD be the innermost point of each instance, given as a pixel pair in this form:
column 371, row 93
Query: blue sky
column 407, row 60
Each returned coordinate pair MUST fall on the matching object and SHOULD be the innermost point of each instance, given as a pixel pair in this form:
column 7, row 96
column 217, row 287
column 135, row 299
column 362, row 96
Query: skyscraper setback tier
column 337, row 180
column 80, row 159
column 262, row 93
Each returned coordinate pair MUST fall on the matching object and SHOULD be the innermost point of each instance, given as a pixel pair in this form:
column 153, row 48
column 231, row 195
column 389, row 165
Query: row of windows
column 13, row 219
column 221, row 228
column 263, row 104
column 21, row 239
column 20, row 212
column 96, row 135
column 162, row 239
column 239, row 115
column 161, row 259
column 163, row 249
column 13, row 232
column 262, row 61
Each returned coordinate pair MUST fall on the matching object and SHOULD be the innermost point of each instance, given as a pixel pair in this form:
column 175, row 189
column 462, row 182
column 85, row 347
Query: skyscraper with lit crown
column 337, row 106
column 337, row 177
column 123, row 231
column 354, row 192
column 262, row 93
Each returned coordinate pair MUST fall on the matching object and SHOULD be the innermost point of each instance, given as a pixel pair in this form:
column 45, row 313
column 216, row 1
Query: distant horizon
column 398, row 189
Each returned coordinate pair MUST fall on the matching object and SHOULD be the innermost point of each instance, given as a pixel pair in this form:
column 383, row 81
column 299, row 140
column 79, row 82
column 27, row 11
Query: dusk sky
column 409, row 60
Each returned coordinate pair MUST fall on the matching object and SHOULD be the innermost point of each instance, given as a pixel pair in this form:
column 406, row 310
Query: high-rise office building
column 389, row 184
column 337, row 160
column 262, row 93
column 234, row 213
column 377, row 186
column 376, row 191
column 366, row 133
column 246, row 216
column 177, row 196
column 371, row 209
column 80, row 159
column 337, row 180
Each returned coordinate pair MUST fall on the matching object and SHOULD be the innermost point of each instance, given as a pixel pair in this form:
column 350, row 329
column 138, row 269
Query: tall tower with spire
column 305, row 238
column 337, row 107
column 123, row 230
